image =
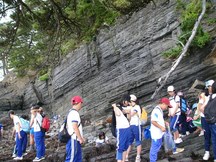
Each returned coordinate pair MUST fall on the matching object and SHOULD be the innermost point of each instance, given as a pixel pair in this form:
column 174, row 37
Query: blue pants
column 39, row 138
column 213, row 136
column 73, row 151
column 25, row 141
column 136, row 134
column 174, row 123
column 122, row 141
column 207, row 134
column 19, row 143
column 155, row 147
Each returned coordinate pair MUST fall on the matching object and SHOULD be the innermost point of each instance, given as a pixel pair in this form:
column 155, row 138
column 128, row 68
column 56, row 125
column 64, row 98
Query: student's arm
column 18, row 130
column 77, row 132
column 116, row 110
column 32, row 120
column 158, row 125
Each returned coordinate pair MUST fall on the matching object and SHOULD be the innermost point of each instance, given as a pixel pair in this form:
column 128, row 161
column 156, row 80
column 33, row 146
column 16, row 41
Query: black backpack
column 63, row 135
column 210, row 111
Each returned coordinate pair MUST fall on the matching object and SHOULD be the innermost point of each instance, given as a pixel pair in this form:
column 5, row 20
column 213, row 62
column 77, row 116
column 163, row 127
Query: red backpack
column 45, row 124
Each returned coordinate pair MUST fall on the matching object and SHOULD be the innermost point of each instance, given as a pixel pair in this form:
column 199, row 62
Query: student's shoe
column 126, row 159
column 18, row 158
column 201, row 133
column 14, row 155
column 206, row 155
column 25, row 153
column 37, row 159
column 182, row 135
column 138, row 159
column 187, row 133
column 178, row 150
column 42, row 158
column 178, row 140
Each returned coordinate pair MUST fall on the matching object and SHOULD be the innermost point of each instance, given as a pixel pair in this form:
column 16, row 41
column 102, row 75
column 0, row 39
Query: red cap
column 165, row 101
column 76, row 100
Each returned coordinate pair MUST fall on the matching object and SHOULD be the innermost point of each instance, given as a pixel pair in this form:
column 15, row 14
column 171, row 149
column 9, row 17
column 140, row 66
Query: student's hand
column 163, row 129
column 113, row 105
column 82, row 141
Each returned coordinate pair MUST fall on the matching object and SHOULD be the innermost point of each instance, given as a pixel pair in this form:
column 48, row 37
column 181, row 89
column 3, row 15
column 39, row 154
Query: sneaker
column 18, row 158
column 25, row 153
column 206, row 155
column 14, row 155
column 187, row 133
column 42, row 158
column 138, row 159
column 201, row 133
column 178, row 150
column 182, row 135
column 126, row 159
column 178, row 140
column 37, row 159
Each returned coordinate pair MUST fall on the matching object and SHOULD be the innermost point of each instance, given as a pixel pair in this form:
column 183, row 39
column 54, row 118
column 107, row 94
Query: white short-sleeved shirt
column 101, row 141
column 37, row 122
column 174, row 100
column 74, row 116
column 121, row 121
column 157, row 115
column 135, row 120
column 17, row 122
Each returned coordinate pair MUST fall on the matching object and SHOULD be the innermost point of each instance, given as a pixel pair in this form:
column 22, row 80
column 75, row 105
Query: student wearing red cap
column 158, row 128
column 74, row 127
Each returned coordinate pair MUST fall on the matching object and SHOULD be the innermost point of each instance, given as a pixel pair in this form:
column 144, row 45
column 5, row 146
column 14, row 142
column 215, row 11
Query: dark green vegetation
column 41, row 32
column 189, row 14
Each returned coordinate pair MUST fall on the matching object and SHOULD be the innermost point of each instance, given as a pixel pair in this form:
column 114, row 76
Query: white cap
column 209, row 83
column 170, row 88
column 133, row 98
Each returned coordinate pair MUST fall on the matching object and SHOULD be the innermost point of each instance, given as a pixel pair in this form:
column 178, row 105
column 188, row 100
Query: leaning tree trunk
column 37, row 93
column 184, row 51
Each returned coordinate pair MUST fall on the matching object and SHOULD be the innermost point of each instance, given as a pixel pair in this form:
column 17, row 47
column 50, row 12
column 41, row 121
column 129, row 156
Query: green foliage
column 189, row 15
column 44, row 77
column 41, row 32
column 173, row 52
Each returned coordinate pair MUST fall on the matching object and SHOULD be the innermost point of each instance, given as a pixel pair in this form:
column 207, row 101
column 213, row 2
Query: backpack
column 183, row 105
column 147, row 133
column 210, row 111
column 25, row 125
column 63, row 135
column 143, row 116
column 113, row 124
column 45, row 124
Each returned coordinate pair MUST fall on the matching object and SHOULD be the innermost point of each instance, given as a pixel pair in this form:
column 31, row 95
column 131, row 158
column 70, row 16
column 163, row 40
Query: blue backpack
column 147, row 133
column 183, row 105
column 25, row 125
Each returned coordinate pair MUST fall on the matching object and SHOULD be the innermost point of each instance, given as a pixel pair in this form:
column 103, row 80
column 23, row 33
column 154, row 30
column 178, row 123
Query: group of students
column 158, row 124
column 128, row 127
column 37, row 135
